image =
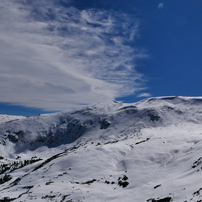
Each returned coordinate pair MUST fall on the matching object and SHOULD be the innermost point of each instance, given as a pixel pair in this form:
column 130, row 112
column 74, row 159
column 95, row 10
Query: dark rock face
column 154, row 117
column 69, row 132
column 122, row 181
column 104, row 124
column 166, row 199
column 13, row 138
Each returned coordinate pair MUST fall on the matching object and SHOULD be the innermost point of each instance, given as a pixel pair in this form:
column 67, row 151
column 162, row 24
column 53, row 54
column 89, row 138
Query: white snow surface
column 149, row 151
column 6, row 117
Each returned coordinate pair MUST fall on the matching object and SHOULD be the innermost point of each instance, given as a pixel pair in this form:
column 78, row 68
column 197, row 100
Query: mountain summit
column 149, row 151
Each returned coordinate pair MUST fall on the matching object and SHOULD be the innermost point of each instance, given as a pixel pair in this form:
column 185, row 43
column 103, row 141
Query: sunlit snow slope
column 150, row 151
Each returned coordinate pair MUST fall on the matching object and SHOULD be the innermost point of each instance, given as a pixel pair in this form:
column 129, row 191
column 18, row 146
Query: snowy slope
column 5, row 118
column 150, row 151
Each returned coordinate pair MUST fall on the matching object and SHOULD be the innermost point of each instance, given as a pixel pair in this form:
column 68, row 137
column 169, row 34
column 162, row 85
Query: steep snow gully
column 149, row 151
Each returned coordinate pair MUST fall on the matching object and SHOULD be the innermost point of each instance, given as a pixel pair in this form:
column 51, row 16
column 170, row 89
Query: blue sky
column 60, row 54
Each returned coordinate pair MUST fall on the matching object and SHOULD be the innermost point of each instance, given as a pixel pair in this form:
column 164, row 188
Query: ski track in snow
column 149, row 151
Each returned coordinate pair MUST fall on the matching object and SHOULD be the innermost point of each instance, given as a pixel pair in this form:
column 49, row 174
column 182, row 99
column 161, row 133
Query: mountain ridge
column 145, row 151
column 151, row 112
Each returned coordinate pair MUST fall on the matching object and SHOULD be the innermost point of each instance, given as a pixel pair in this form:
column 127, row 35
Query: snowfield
column 149, row 151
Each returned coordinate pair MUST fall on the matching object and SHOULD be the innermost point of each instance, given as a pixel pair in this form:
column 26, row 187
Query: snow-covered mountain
column 149, row 151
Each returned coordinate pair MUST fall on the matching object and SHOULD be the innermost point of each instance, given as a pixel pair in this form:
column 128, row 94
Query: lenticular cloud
column 55, row 57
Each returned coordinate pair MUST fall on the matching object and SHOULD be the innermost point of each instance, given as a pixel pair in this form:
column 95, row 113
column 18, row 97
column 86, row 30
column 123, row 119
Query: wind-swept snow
column 147, row 151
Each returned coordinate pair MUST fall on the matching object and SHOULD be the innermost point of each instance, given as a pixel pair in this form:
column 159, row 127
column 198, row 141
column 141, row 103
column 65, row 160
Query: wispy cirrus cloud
column 55, row 57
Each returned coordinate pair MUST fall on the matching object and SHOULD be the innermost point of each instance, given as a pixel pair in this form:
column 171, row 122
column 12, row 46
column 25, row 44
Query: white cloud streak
column 56, row 58
column 144, row 95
